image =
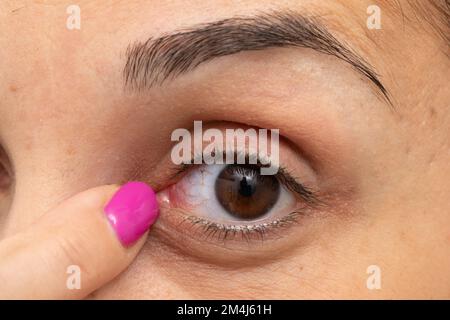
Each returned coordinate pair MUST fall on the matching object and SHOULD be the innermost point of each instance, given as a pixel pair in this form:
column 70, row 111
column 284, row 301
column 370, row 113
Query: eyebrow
column 159, row 59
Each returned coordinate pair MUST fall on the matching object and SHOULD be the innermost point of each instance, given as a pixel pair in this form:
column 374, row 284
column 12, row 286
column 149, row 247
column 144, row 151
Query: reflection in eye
column 230, row 200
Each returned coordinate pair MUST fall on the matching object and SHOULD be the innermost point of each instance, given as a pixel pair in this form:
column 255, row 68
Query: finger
column 80, row 245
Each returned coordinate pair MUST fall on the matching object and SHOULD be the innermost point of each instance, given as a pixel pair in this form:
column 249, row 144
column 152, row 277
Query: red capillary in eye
column 174, row 197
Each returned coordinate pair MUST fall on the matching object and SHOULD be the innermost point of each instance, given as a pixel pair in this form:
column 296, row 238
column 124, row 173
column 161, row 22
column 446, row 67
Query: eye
column 235, row 201
column 228, row 193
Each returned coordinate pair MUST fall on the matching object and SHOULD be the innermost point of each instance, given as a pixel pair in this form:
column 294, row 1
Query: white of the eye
column 199, row 192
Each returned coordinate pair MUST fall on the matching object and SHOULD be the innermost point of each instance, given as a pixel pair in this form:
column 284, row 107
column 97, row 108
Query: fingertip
column 131, row 211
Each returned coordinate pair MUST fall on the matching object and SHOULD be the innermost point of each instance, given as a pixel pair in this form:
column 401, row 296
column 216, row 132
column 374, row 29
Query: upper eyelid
column 237, row 154
column 180, row 169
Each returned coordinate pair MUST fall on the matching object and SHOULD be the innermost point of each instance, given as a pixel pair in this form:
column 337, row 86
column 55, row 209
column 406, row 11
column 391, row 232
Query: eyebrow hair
column 158, row 59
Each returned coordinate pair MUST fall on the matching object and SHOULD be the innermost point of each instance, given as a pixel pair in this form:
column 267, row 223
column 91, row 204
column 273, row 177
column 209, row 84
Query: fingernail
column 132, row 211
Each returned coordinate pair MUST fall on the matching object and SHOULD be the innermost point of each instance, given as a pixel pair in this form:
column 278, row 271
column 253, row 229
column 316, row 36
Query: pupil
column 245, row 193
column 246, row 189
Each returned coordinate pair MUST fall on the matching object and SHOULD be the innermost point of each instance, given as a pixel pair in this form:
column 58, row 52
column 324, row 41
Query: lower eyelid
column 247, row 232
column 178, row 229
column 263, row 229
column 174, row 230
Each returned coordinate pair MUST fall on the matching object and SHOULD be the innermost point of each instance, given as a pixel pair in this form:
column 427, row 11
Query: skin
column 68, row 125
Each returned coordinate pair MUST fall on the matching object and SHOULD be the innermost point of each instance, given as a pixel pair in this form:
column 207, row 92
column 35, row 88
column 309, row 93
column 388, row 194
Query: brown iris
column 245, row 193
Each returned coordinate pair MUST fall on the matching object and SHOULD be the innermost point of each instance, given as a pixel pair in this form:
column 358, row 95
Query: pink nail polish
column 132, row 210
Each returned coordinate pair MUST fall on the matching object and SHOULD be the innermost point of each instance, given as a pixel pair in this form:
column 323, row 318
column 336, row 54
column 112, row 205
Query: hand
column 100, row 237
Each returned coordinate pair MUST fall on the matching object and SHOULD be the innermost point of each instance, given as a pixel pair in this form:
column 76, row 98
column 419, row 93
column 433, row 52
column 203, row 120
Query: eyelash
column 222, row 232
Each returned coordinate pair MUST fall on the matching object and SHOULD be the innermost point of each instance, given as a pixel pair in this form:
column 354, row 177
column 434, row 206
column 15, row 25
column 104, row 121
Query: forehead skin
column 68, row 124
